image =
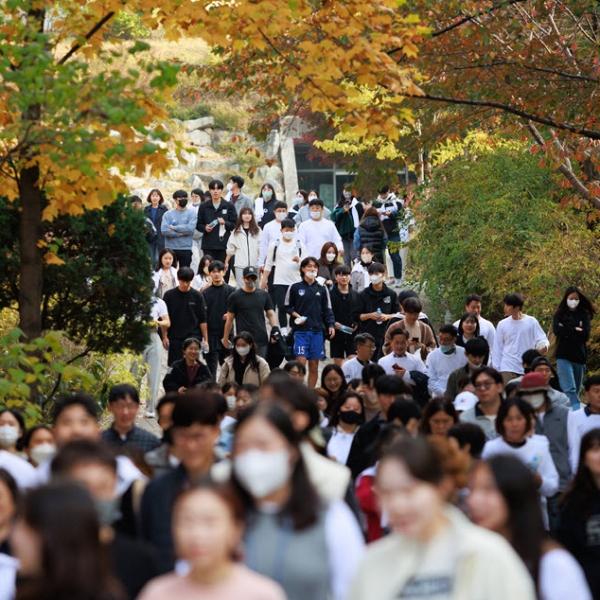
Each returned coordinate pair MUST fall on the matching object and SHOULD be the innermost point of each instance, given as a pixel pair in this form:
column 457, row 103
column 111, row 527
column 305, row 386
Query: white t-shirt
column 534, row 454
column 339, row 445
column 513, row 338
column 287, row 271
column 271, row 232
column 410, row 362
column 353, row 368
column 579, row 422
column 23, row 473
column 159, row 308
column 561, row 576
column 439, row 367
column 314, row 234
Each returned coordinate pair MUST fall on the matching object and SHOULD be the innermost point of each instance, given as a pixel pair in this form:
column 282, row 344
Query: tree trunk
column 30, row 285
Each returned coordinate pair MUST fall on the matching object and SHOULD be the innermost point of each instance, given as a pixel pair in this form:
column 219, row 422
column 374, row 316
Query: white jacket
column 245, row 248
column 156, row 277
column 486, row 566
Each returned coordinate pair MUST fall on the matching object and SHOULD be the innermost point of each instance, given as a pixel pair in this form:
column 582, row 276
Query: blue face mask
column 447, row 349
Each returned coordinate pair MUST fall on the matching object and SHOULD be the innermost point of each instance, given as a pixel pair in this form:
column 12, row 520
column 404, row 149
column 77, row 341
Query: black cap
column 540, row 360
column 250, row 272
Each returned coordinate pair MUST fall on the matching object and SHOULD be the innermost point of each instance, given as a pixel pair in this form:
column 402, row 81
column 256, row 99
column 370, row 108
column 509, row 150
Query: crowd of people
column 418, row 463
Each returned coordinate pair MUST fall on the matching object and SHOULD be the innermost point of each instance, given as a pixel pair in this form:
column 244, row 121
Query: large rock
column 199, row 138
column 189, row 160
column 177, row 174
column 270, row 175
column 201, row 123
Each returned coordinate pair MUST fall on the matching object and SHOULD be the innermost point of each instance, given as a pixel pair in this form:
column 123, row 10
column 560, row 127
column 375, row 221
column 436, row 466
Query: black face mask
column 350, row 417
column 182, row 202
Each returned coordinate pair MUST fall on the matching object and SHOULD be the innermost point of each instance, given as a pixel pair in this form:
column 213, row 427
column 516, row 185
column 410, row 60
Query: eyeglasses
column 484, row 385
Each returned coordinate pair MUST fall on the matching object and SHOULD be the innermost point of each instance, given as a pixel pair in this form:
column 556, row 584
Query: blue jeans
column 570, row 376
column 396, row 260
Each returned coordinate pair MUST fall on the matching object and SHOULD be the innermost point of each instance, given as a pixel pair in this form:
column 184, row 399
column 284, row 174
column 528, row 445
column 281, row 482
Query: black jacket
column 177, row 377
column 361, row 454
column 571, row 343
column 369, row 300
column 157, row 222
column 207, row 213
column 343, row 305
column 155, row 513
column 371, row 234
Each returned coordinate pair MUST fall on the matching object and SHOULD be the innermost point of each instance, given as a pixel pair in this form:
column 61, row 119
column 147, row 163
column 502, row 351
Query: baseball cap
column 533, row 382
column 465, row 401
column 540, row 360
column 250, row 272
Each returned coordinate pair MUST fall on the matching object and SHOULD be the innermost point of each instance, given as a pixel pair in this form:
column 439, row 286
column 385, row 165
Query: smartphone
column 415, row 339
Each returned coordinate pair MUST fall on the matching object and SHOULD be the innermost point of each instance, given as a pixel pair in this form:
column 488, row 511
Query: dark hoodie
column 368, row 301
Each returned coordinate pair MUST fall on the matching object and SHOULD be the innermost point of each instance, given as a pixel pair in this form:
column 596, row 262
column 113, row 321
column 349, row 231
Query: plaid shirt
column 137, row 436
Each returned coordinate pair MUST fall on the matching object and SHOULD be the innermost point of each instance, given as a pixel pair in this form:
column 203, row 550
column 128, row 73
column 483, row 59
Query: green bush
column 494, row 226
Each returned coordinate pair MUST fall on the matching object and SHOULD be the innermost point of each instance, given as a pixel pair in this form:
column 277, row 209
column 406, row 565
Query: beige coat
column 487, row 566
column 250, row 375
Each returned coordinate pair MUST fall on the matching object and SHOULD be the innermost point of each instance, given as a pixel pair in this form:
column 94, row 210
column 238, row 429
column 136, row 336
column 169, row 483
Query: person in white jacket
column 433, row 548
column 244, row 244
column 444, row 360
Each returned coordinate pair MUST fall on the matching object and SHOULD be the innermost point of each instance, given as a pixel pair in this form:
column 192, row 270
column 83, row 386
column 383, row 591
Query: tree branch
column 565, row 167
column 588, row 133
column 88, row 35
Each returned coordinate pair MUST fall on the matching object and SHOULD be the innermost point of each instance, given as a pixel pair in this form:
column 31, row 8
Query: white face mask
column 280, row 216
column 316, row 215
column 243, row 350
column 348, row 195
column 536, row 400
column 366, row 258
column 330, row 257
column 229, row 186
column 42, row 453
column 375, row 279
column 313, row 197
column 230, row 402
column 262, row 473
column 9, row 434
column 572, row 303
column 310, row 274
column 288, row 235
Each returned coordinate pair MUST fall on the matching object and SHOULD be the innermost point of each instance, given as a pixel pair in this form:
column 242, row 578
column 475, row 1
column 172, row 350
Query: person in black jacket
column 189, row 371
column 310, row 306
column 188, row 310
column 216, row 235
column 343, row 302
column 370, row 232
column 216, row 295
column 155, row 213
column 376, row 305
column 195, row 432
column 579, row 524
column 571, row 326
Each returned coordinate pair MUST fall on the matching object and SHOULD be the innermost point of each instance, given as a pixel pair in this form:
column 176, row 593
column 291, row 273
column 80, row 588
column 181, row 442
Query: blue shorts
column 309, row 345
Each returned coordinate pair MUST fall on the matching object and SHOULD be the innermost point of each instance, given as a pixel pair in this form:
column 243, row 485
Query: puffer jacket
column 370, row 233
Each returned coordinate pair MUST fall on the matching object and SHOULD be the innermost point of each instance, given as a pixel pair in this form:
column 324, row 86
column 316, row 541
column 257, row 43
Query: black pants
column 278, row 296
column 216, row 254
column 175, row 350
column 184, row 258
column 217, row 354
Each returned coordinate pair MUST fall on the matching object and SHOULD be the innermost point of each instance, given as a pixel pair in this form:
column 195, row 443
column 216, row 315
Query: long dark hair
column 583, row 486
column 73, row 560
column 251, row 358
column 253, row 228
column 303, row 504
column 522, row 406
column 343, row 387
column 468, row 316
column 526, row 531
column 335, row 409
column 372, row 212
column 436, row 405
column 270, row 187
column 585, row 304
column 158, row 265
column 324, row 249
